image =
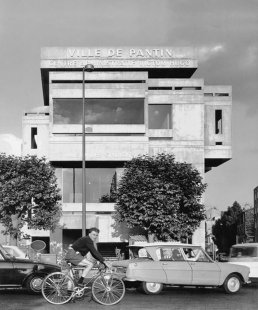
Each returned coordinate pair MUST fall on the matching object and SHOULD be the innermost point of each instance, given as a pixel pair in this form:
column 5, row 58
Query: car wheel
column 34, row 283
column 232, row 284
column 152, row 288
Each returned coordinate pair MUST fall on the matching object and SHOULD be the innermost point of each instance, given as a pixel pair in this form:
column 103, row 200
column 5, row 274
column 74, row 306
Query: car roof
column 151, row 244
column 245, row 245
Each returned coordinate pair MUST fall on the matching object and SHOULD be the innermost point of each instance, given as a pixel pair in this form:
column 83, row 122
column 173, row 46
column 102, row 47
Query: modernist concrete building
column 138, row 101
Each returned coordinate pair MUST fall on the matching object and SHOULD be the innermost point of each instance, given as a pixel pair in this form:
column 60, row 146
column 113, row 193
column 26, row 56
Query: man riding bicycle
column 83, row 253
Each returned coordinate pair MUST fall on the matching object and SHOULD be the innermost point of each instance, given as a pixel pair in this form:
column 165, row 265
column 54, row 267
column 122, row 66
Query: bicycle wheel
column 108, row 289
column 57, row 288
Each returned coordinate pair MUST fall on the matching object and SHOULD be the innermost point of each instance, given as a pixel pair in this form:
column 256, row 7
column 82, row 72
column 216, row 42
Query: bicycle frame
column 105, row 286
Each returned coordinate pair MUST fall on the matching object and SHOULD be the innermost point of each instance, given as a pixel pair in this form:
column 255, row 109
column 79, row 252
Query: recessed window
column 34, row 132
column 218, row 121
column 188, row 88
column 160, row 116
column 100, row 184
column 99, row 111
column 218, row 143
column 221, row 94
column 160, row 88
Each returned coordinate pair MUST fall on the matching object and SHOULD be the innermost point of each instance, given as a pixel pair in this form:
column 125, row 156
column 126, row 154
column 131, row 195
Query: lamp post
column 88, row 68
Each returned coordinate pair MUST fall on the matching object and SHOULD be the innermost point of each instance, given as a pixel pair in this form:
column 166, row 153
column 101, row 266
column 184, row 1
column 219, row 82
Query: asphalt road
column 171, row 298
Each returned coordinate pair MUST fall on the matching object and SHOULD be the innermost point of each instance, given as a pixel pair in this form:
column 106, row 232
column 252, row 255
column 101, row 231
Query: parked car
column 246, row 254
column 153, row 265
column 15, row 251
column 23, row 273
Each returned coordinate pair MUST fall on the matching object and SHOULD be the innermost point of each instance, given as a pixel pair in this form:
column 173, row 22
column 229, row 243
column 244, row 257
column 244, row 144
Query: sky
column 223, row 31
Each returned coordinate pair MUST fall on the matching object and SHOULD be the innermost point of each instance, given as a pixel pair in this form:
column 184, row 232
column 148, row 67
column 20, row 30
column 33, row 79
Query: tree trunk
column 15, row 221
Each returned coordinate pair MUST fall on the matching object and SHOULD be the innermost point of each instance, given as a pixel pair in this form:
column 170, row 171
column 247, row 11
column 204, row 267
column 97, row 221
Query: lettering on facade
column 138, row 53
column 120, row 63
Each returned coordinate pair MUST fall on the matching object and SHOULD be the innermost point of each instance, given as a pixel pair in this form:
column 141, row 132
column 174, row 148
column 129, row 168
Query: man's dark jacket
column 85, row 245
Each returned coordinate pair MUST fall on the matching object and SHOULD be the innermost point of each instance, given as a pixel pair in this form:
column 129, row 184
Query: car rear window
column 243, row 252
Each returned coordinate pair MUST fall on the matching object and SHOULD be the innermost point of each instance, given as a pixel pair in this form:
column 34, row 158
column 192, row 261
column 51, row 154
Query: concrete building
column 245, row 225
column 139, row 101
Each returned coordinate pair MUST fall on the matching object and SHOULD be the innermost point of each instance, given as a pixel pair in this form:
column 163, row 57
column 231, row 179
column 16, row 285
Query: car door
column 178, row 271
column 204, row 270
column 6, row 271
column 21, row 268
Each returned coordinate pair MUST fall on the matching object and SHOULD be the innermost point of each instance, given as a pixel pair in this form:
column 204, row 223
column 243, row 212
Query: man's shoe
column 82, row 285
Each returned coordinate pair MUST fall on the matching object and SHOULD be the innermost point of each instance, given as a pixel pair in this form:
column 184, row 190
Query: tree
column 28, row 194
column 225, row 228
column 161, row 196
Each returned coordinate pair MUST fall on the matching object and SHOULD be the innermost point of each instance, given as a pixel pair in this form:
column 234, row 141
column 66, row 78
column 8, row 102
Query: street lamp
column 88, row 68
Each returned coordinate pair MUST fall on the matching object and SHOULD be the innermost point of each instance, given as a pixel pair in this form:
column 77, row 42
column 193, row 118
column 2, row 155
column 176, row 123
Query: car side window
column 195, row 255
column 170, row 254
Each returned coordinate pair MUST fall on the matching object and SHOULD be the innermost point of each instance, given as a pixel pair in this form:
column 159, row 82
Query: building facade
column 246, row 226
column 138, row 101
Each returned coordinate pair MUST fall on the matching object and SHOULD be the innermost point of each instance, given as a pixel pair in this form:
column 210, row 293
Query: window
column 221, row 94
column 196, row 255
column 99, row 111
column 188, row 88
column 100, row 184
column 160, row 88
column 170, row 254
column 218, row 121
column 218, row 143
column 243, row 252
column 160, row 116
column 34, row 132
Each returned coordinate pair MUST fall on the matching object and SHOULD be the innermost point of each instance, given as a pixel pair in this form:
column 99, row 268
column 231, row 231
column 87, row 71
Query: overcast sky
column 224, row 31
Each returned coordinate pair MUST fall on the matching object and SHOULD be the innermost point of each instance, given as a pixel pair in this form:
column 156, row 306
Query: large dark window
column 160, row 116
column 99, row 111
column 218, row 121
column 100, row 184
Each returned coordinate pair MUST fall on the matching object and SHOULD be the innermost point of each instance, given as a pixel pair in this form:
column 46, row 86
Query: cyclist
column 83, row 253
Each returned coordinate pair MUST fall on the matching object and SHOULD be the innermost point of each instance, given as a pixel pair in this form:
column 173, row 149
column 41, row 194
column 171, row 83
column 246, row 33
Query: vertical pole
column 83, row 157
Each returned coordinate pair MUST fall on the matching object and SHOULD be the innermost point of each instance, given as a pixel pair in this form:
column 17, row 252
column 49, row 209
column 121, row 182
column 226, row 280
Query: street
column 171, row 298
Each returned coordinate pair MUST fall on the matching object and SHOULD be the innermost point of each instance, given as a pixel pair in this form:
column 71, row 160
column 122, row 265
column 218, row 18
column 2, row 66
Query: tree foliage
column 161, row 196
column 28, row 193
column 225, row 228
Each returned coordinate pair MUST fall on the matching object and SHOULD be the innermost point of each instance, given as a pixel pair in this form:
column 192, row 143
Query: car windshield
column 15, row 251
column 243, row 252
column 3, row 250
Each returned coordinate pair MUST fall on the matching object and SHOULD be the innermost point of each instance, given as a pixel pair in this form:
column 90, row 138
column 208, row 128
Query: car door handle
column 164, row 263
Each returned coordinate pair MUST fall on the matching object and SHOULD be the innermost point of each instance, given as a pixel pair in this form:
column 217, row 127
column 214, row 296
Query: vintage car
column 153, row 265
column 23, row 273
column 246, row 254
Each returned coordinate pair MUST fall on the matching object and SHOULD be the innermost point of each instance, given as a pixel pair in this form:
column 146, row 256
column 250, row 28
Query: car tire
column 151, row 288
column 232, row 284
column 34, row 283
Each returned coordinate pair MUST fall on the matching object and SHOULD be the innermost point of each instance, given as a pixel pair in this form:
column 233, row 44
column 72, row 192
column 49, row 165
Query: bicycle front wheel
column 57, row 288
column 108, row 289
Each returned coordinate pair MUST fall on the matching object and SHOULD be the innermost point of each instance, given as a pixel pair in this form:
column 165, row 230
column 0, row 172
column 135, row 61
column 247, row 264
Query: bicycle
column 60, row 287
